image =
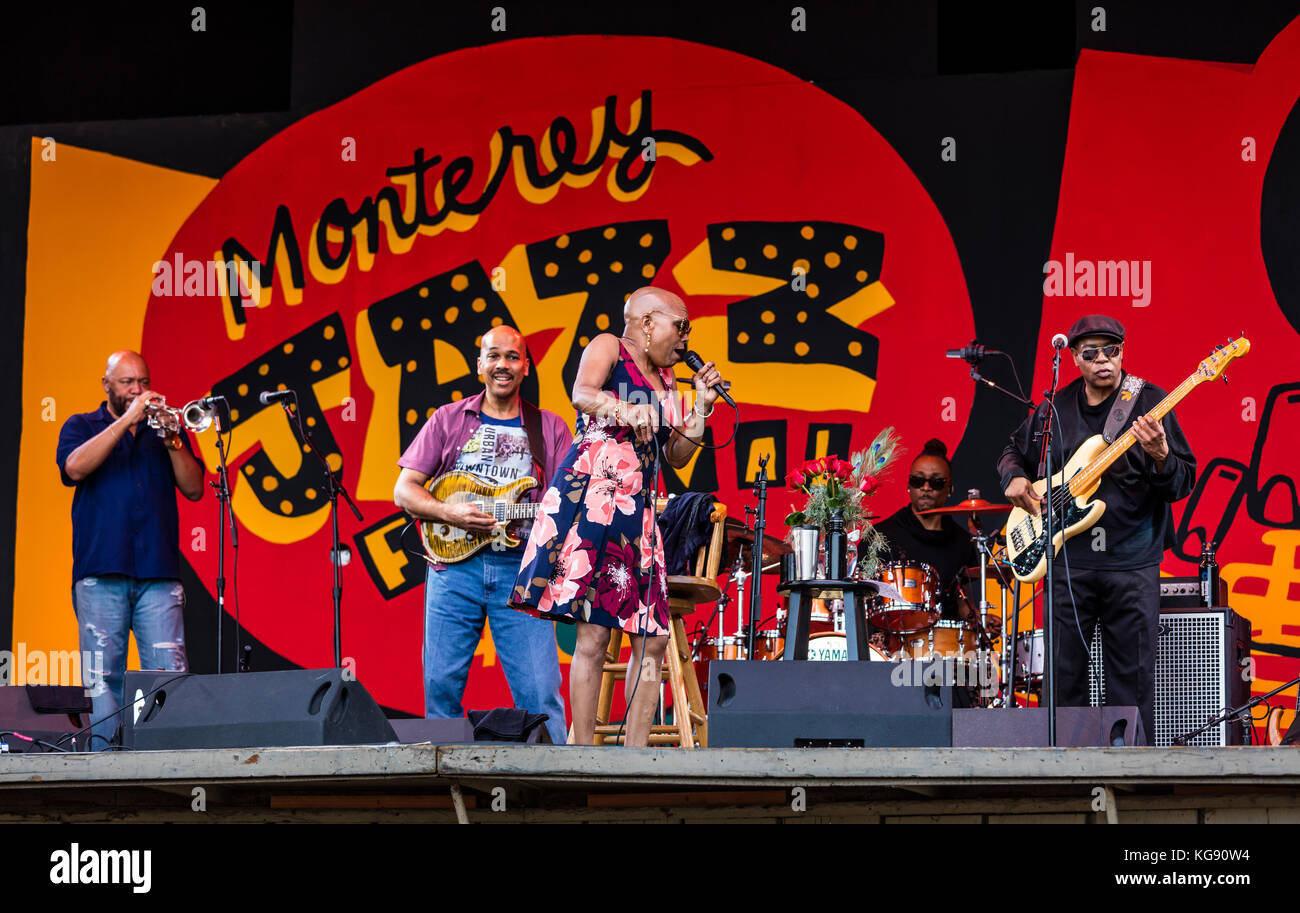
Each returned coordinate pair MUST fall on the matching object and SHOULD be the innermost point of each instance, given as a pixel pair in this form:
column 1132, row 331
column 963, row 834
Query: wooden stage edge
column 492, row 782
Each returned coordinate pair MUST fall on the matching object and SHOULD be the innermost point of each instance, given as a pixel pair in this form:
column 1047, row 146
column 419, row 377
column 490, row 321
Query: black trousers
column 1127, row 606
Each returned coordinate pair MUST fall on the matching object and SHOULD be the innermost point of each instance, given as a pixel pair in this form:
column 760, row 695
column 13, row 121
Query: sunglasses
column 937, row 483
column 682, row 324
column 1091, row 352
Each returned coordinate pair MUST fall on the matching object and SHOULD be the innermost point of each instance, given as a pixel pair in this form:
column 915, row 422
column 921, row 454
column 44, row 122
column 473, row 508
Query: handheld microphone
column 694, row 362
column 1059, row 341
column 973, row 352
column 274, row 396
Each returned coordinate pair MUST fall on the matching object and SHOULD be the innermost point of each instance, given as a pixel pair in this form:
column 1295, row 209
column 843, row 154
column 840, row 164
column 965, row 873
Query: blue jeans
column 108, row 609
column 456, row 600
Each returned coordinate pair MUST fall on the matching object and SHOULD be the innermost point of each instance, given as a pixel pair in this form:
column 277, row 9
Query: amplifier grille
column 1191, row 681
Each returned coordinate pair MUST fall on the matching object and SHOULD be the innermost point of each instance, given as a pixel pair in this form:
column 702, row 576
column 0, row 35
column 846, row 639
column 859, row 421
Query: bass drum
column 830, row 647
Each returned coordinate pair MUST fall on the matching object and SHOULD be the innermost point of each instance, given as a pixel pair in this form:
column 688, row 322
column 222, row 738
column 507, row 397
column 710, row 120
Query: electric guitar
column 1072, row 512
column 447, row 544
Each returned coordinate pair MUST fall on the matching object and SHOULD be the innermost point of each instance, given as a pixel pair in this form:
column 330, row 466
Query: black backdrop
column 136, row 80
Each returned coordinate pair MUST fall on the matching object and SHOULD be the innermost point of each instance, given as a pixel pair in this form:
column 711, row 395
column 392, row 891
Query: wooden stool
column 685, row 592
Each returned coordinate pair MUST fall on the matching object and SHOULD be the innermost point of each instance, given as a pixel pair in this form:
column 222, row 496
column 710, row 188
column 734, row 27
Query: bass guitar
column 1072, row 512
column 447, row 544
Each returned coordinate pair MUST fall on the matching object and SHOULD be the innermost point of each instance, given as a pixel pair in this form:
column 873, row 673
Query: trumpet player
column 125, row 533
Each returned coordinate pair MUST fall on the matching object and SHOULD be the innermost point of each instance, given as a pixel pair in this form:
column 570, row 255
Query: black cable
column 1069, row 584
column 655, row 535
column 125, row 706
column 1014, row 372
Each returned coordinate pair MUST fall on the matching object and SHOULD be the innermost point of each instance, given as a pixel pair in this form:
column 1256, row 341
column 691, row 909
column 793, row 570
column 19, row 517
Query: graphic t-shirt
column 498, row 452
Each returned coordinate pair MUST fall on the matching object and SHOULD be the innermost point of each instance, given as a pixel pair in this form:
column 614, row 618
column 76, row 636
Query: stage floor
column 499, row 783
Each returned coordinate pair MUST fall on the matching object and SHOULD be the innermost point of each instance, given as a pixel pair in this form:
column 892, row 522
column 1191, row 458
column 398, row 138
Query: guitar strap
column 1119, row 416
column 532, row 417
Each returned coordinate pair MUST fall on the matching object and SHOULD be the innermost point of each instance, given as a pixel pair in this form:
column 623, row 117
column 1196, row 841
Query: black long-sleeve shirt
column 1138, row 522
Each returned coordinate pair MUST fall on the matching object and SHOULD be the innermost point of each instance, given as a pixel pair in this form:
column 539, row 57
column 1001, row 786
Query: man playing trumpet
column 126, row 563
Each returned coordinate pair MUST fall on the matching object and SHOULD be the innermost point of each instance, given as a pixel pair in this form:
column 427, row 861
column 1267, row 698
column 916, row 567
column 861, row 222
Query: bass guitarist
column 498, row 436
column 1109, row 574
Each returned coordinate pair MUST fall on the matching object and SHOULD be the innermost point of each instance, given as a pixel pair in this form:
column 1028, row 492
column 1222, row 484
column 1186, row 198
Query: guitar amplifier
column 1185, row 593
column 1199, row 672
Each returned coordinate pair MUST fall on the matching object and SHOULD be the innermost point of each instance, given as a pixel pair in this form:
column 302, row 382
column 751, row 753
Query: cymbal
column 969, row 506
column 737, row 535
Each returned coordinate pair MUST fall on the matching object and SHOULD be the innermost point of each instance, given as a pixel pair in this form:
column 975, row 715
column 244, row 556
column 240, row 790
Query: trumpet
column 168, row 420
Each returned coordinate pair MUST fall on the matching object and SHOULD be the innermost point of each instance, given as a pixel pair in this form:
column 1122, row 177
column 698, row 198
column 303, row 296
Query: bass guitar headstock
column 1212, row 368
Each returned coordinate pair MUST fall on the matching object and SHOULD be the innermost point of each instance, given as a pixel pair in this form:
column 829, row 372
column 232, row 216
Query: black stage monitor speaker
column 1026, row 727
column 249, row 710
column 810, row 704
column 43, row 713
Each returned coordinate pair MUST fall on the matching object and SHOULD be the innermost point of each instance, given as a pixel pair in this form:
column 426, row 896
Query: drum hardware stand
column 740, row 575
column 338, row 555
column 984, row 646
column 1242, row 713
column 760, row 525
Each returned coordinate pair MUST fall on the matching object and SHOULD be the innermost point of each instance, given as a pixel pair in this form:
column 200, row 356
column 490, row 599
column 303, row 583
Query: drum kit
column 908, row 629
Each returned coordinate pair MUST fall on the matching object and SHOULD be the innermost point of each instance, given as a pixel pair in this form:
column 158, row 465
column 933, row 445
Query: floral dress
column 588, row 556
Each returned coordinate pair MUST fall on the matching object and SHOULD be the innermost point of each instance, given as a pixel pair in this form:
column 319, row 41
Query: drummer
column 933, row 539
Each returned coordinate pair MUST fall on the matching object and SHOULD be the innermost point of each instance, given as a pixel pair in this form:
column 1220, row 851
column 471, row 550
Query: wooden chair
column 685, row 592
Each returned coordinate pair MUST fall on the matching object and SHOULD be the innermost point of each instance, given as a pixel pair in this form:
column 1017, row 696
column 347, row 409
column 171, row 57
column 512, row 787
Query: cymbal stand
column 719, row 612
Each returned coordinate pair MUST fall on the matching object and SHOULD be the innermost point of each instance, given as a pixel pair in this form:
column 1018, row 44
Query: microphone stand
column 1243, row 713
column 756, row 573
column 334, row 488
column 976, row 354
column 224, row 515
column 1049, row 684
column 973, row 355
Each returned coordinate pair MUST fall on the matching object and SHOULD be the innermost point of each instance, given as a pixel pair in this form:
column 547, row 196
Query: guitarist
column 1109, row 574
column 496, row 435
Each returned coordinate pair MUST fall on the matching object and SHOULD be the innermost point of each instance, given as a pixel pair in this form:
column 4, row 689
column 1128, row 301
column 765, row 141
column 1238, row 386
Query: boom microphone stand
column 1049, row 680
column 222, row 488
column 1242, row 713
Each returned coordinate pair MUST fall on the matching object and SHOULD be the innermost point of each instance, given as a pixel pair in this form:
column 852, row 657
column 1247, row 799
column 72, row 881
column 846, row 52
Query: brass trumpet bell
column 169, row 420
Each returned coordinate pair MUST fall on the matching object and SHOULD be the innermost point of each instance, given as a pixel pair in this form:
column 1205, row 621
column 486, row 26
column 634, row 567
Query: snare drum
column 919, row 585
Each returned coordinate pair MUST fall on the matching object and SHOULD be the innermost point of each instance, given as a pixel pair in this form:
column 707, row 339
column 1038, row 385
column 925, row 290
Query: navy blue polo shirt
column 124, row 516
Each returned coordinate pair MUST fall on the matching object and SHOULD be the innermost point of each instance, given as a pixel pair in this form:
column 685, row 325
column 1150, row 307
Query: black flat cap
column 1095, row 325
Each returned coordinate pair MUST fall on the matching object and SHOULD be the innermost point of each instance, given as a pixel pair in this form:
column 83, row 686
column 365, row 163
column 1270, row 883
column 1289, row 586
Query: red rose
column 795, row 478
column 844, row 470
column 815, row 467
column 868, row 485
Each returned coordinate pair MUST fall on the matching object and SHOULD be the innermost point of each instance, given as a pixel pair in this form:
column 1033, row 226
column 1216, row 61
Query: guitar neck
column 523, row 510
column 1089, row 475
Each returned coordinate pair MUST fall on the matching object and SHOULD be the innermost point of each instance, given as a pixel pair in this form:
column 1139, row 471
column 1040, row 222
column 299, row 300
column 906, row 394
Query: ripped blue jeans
column 108, row 609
